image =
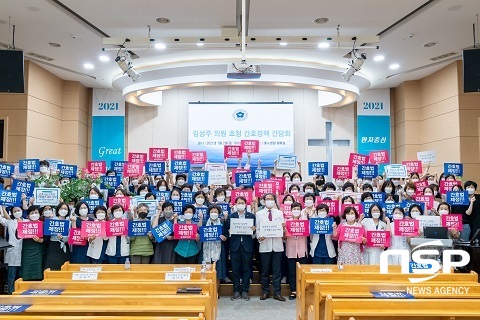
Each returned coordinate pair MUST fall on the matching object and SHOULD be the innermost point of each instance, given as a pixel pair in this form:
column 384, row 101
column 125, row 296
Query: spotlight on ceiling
column 127, row 67
column 354, row 65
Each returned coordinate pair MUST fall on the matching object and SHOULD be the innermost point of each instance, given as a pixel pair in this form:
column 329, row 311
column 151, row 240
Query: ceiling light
column 394, row 66
column 104, row 58
column 378, row 58
column 354, row 66
column 88, row 66
column 163, row 20
column 321, row 20
column 323, row 45
column 283, row 43
column 54, row 44
column 430, row 44
column 200, row 44
column 127, row 67
column 160, row 46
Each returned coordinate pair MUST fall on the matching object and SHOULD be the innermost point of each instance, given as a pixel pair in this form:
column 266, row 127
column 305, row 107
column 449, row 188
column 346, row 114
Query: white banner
column 106, row 102
column 374, row 102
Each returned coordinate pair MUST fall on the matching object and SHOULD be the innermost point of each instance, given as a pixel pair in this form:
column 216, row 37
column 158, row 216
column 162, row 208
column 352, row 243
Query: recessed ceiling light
column 323, row 45
column 283, row 43
column 378, row 58
column 321, row 20
column 160, row 46
column 430, row 44
column 200, row 44
column 104, row 58
column 394, row 66
column 163, row 20
column 54, row 44
column 88, row 66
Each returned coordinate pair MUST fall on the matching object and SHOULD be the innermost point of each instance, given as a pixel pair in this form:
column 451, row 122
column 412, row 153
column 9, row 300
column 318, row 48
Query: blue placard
column 458, row 198
column 407, row 204
column 244, row 178
column 368, row 171
column 198, row 177
column 418, row 266
column 210, row 233
column 178, row 205
column 155, row 168
column 260, row 175
column 10, row 198
column 41, row 292
column 67, row 170
column 6, row 170
column 56, row 226
column 162, row 231
column 453, row 168
column 198, row 211
column 117, row 165
column 366, row 207
column 110, row 182
column 138, row 228
column 180, row 166
column 32, row 165
column 321, row 225
column 225, row 207
column 392, row 295
column 13, row 308
column 389, row 207
column 187, row 196
column 92, row 203
column 23, row 187
column 379, row 196
column 320, row 168
column 163, row 196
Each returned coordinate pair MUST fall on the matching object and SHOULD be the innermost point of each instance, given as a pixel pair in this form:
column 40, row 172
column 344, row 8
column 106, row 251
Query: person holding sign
column 270, row 232
column 186, row 251
column 32, row 252
column 397, row 242
column 472, row 213
column 444, row 209
column 351, row 240
column 58, row 251
column 118, row 247
column 98, row 245
column 79, row 252
column 371, row 255
column 214, row 251
column 165, row 250
column 141, row 247
column 322, row 249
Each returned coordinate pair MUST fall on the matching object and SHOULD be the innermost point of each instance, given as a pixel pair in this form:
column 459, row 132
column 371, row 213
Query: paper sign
column 447, row 185
column 279, row 182
column 41, row 292
column 117, row 166
column 458, row 198
column 378, row 196
column 185, row 231
column 287, row 162
column 320, row 270
column 109, row 182
column 396, row 171
column 178, row 205
column 162, row 231
column 123, row 201
column 428, row 200
column 351, row 234
column 184, row 269
column 271, row 229
column 198, row 157
column 138, row 228
column 356, row 159
column 287, row 210
column 93, row 203
column 452, row 221
column 321, row 225
column 10, row 198
column 429, row 221
column 93, row 228
column 47, row 196
column 23, row 187
column 297, row 228
column 210, row 233
column 264, row 187
column 177, row 276
column 75, row 238
column 241, row 226
column 13, row 308
column 152, row 206
column 6, row 170
column 30, row 229
column 420, row 186
column 413, row 166
column 56, row 226
column 260, row 175
column 179, row 154
column 67, row 170
column 427, row 156
column 84, row 276
column 138, row 158
column 368, row 171
column 132, row 169
column 91, row 269
column 342, row 172
column 232, row 152
column 379, row 157
column 97, row 167
column 29, row 165
column 116, row 228
column 180, row 166
column 244, row 178
column 248, row 194
column 453, row 168
column 155, row 168
column 357, row 206
column 187, row 196
column 158, row 154
column 252, row 146
column 378, row 238
column 333, row 206
column 392, row 295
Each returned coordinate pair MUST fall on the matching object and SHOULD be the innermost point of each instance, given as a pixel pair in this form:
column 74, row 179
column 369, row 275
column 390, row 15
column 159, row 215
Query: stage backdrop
column 212, row 125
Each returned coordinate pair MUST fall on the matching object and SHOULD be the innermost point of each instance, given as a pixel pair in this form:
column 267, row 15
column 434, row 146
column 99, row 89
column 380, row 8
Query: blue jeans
column 116, row 260
column 465, row 233
column 323, row 260
column 12, row 276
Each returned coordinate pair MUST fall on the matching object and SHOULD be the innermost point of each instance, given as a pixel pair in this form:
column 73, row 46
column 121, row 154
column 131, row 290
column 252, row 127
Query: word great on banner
column 185, row 231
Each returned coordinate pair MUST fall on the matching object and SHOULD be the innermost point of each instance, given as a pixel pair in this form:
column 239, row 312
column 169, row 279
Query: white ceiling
column 41, row 21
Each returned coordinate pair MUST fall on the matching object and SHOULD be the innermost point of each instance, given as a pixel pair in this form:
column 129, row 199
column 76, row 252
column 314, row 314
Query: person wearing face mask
column 329, row 186
column 410, row 190
column 397, row 242
column 348, row 187
column 95, row 193
column 162, row 185
column 296, row 249
column 79, row 252
column 271, row 249
column 187, row 251
column 471, row 217
column 349, row 252
column 180, row 180
column 414, row 177
column 58, row 251
column 322, row 249
column 32, row 252
column 443, row 209
column 134, row 184
column 296, row 177
column 165, row 250
column 143, row 190
column 371, row 255
column 175, row 194
column 219, row 195
column 287, row 200
column 98, row 245
column 120, row 193
column 118, row 247
column 414, row 212
column 309, row 187
column 141, row 247
column 294, row 190
column 319, row 180
column 389, row 188
column 200, row 203
column 309, row 204
column 13, row 255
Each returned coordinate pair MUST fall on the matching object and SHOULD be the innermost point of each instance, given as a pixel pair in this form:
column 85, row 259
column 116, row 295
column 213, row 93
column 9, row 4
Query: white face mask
column 228, row 193
column 388, row 189
column 322, row 214
column 162, row 188
column 339, row 183
column 347, row 202
column 308, row 190
column 296, row 180
column 181, row 182
column 214, row 216
column 93, row 196
column 118, row 214
column 200, row 200
column 414, row 180
column 389, row 201
column 143, row 193
column 83, row 212
column 289, row 202
column 205, row 190
column 221, row 198
column 62, row 212
column 34, row 216
column 398, row 216
column 296, row 213
column 435, row 193
column 368, row 200
column 48, row 213
column 145, row 182
column 269, row 204
column 410, row 192
column 64, row 182
column 43, row 169
column 188, row 216
column 431, row 182
column 262, row 202
column 428, row 194
column 309, row 203
column 367, row 181
column 241, row 207
column 415, row 214
column 375, row 215
column 295, row 191
column 470, row 190
column 135, row 182
column 175, row 197
column 442, row 212
column 101, row 215
column 350, row 217
column 18, row 214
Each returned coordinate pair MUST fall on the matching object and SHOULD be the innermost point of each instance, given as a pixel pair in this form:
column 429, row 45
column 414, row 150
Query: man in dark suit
column 241, row 250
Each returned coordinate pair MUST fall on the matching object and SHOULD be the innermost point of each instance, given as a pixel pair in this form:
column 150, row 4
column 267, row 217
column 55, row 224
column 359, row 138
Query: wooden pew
column 425, row 290
column 127, row 275
column 402, row 309
column 67, row 266
column 7, row 316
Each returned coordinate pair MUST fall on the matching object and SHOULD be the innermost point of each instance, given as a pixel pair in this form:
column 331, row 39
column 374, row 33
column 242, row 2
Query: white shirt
column 274, row 244
column 13, row 255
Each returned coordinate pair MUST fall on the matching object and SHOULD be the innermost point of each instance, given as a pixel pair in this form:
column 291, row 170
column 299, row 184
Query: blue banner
column 138, row 228
column 225, row 207
column 108, row 138
column 92, row 203
column 41, row 292
column 155, row 168
column 55, row 226
column 244, row 178
column 117, row 166
column 67, row 170
column 13, row 308
column 260, row 175
column 10, row 198
column 23, row 187
column 392, row 295
column 458, row 198
column 379, row 196
column 32, row 165
column 320, row 168
column 369, row 171
column 366, row 207
column 321, row 225
column 163, row 196
column 210, row 233
column 453, row 168
column 178, row 205
column 6, row 170
column 110, row 182
column 187, row 196
column 162, row 231
column 389, row 207
column 180, row 166
column 407, row 204
column 203, row 211
column 198, row 177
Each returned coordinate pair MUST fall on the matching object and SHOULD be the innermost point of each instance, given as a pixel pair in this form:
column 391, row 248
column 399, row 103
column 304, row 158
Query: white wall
column 166, row 125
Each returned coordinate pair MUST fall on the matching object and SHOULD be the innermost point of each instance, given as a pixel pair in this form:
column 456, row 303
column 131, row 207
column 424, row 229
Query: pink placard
column 93, row 228
column 96, row 167
column 406, row 227
column 264, row 187
column 447, row 185
column 378, row 238
column 132, row 169
column 452, row 221
column 413, row 166
column 342, row 172
column 231, row 152
column 428, row 200
column 248, row 194
column 350, row 234
column 117, row 228
column 137, row 157
column 75, row 237
column 297, row 228
column 252, row 146
column 287, row 210
column 123, row 201
column 179, row 154
column 420, row 185
column 280, row 182
column 356, row 159
column 185, row 231
column 332, row 207
column 30, row 229
column 379, row 157
column 198, row 157
column 357, row 206
column 158, row 154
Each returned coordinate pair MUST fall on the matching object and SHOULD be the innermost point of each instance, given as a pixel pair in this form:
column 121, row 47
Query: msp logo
column 240, row 115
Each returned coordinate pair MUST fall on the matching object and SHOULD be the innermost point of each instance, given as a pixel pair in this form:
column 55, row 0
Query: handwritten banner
column 241, row 226
column 56, row 226
column 406, row 227
column 185, row 231
column 75, row 238
column 117, row 228
column 30, row 229
column 271, row 229
column 452, row 221
column 210, row 233
column 297, row 228
column 378, row 238
column 158, row 154
column 93, row 229
column 351, row 234
column 321, row 225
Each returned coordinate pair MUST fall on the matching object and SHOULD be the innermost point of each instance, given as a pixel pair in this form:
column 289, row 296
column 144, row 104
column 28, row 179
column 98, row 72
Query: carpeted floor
column 255, row 309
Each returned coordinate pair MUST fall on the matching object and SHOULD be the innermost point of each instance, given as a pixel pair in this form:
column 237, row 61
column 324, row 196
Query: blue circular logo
column 240, row 115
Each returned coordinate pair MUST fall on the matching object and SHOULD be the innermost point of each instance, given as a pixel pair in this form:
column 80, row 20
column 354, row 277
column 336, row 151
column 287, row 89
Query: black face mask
column 142, row 215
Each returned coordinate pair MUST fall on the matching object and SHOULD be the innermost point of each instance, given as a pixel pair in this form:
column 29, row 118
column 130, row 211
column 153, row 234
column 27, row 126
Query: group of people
column 275, row 257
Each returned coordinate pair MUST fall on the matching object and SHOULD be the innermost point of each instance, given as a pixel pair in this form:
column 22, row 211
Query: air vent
column 443, row 56
column 39, row 56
